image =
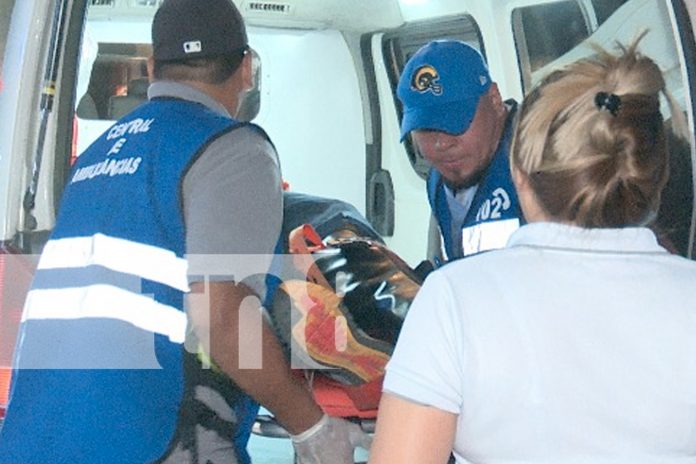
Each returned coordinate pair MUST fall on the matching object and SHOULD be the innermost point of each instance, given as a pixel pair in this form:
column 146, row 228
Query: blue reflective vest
column 99, row 352
column 494, row 213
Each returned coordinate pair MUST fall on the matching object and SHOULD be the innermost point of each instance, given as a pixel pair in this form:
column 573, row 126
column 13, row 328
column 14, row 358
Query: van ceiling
column 346, row 15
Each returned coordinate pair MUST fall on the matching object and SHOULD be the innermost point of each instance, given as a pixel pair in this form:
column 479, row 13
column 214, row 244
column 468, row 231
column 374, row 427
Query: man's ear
column 495, row 98
column 494, row 91
column 151, row 69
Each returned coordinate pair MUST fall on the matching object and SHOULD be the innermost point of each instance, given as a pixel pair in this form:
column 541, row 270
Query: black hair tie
column 608, row 101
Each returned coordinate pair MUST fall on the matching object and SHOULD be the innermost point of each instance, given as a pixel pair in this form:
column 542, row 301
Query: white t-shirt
column 569, row 346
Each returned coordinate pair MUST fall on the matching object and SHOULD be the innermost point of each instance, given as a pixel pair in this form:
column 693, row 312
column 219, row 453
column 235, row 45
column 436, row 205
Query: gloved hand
column 330, row 441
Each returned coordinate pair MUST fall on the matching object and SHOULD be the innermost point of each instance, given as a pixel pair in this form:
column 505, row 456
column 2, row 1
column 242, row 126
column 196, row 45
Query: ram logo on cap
column 426, row 78
column 193, row 46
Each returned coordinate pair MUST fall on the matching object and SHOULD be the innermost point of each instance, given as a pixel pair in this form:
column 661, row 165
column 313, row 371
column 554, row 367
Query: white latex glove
column 330, row 441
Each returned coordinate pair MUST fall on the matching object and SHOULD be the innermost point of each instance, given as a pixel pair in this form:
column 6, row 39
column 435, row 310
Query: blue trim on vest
column 497, row 176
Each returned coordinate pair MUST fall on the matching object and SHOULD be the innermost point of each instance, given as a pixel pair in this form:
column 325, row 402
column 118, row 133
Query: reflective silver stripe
column 106, row 301
column 488, row 235
column 443, row 248
column 147, row 261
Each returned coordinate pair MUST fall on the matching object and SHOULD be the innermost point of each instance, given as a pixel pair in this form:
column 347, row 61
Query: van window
column 544, row 32
column 113, row 77
column 400, row 44
column 118, row 81
column 604, row 8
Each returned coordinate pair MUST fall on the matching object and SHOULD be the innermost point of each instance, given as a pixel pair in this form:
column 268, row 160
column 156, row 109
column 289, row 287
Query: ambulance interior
column 326, row 73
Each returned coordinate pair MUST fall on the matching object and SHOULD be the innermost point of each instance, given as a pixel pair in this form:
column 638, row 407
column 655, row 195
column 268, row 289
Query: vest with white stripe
column 122, row 214
column 494, row 213
column 107, row 299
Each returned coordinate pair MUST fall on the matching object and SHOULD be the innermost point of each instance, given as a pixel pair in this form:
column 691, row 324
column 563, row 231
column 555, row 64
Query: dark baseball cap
column 184, row 29
column 440, row 87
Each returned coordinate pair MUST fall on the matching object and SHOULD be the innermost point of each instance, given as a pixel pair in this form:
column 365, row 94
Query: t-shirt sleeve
column 427, row 364
column 232, row 196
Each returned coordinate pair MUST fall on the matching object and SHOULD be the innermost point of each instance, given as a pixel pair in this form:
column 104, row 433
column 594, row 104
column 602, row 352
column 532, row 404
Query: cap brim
column 453, row 118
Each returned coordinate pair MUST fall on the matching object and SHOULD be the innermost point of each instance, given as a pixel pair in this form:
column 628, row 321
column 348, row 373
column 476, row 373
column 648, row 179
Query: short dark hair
column 211, row 70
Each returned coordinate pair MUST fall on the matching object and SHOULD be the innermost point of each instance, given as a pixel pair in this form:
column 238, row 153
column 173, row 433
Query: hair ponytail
column 591, row 140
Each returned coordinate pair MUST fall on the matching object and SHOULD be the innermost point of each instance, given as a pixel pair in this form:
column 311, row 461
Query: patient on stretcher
column 344, row 310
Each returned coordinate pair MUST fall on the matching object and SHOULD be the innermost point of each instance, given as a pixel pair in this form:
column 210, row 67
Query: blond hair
column 591, row 162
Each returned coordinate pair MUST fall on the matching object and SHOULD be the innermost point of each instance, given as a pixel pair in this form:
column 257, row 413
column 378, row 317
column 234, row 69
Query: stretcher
column 351, row 278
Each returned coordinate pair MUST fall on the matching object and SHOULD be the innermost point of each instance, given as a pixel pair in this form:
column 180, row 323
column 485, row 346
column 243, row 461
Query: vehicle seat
column 87, row 108
column 119, row 105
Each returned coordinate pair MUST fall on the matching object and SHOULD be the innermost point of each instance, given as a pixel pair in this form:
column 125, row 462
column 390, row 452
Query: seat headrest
column 138, row 86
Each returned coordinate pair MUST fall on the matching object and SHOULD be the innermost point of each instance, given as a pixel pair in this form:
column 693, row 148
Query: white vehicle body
column 326, row 82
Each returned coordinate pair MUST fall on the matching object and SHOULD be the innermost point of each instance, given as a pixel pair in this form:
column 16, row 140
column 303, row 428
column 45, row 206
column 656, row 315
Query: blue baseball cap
column 440, row 87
